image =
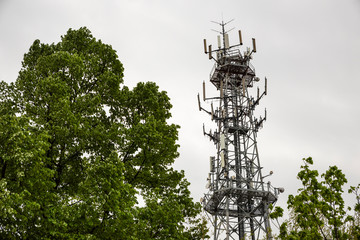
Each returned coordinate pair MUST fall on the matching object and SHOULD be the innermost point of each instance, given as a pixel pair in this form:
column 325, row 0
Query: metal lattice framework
column 238, row 198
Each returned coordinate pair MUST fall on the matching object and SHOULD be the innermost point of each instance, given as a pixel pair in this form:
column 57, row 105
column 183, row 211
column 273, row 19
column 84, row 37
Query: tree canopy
column 82, row 156
column 318, row 210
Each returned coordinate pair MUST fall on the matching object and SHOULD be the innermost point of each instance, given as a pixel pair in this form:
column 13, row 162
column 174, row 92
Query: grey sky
column 309, row 51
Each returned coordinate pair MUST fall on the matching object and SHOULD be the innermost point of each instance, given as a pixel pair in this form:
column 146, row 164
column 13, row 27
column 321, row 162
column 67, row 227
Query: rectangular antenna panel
column 210, row 50
column 265, row 86
column 222, row 141
column 227, row 41
column 222, row 159
column 204, row 96
column 240, row 38
column 212, row 111
column 219, row 41
column 205, row 46
column 254, row 45
column 198, row 96
column 212, row 164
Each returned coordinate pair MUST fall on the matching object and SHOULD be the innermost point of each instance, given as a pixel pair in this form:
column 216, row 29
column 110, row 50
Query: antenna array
column 238, row 199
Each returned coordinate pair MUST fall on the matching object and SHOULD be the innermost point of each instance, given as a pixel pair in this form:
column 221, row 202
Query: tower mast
column 238, row 199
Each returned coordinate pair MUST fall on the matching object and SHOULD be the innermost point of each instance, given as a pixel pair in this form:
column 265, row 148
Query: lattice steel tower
column 238, row 198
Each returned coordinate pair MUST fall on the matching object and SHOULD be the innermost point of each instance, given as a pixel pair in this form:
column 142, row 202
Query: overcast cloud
column 309, row 51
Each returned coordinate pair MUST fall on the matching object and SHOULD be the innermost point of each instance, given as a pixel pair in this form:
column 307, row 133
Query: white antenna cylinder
column 222, row 141
column 222, row 157
column 219, row 41
column 212, row 164
column 227, row 40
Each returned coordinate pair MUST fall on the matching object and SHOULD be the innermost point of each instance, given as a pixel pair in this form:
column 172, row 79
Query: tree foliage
column 79, row 150
column 318, row 210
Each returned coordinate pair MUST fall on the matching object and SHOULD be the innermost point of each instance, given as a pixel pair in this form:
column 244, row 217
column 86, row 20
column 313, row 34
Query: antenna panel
column 254, row 45
column 222, row 141
column 240, row 38
column 205, row 46
column 212, row 164
column 227, row 45
column 222, row 157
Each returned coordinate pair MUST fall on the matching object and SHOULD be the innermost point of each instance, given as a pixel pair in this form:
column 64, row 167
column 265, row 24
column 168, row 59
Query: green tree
column 354, row 228
column 318, row 210
column 79, row 149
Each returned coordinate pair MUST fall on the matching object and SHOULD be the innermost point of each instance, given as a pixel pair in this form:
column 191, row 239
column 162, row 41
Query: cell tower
column 238, row 199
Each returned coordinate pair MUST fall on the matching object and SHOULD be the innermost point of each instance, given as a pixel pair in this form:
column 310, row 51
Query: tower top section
column 229, row 60
column 223, row 44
